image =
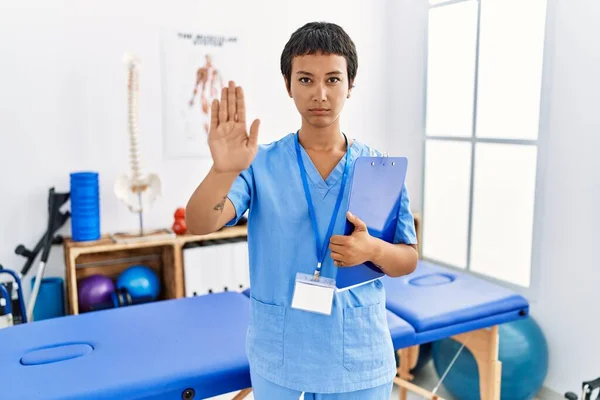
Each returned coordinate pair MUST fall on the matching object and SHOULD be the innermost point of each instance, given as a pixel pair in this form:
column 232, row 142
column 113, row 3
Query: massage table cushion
column 439, row 302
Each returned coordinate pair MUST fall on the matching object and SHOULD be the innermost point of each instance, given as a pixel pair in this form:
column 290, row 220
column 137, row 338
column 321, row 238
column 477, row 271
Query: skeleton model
column 137, row 190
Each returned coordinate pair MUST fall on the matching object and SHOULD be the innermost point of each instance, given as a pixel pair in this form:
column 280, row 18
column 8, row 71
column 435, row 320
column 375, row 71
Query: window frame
column 531, row 291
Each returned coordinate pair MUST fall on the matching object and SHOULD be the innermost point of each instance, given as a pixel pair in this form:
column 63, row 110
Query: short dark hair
column 325, row 37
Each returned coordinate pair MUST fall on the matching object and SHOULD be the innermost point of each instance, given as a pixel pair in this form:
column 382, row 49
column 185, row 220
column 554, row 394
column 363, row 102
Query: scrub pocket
column 265, row 333
column 365, row 338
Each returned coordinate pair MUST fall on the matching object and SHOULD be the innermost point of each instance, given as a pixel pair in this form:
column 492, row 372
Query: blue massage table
column 441, row 303
column 194, row 348
column 189, row 348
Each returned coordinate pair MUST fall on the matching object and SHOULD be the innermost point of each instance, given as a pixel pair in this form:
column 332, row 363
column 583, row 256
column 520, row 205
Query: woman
column 287, row 186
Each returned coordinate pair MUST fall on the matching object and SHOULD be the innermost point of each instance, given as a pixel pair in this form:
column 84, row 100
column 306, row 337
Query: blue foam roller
column 85, row 206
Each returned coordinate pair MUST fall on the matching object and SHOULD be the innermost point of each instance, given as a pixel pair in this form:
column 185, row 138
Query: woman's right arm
column 232, row 150
column 209, row 209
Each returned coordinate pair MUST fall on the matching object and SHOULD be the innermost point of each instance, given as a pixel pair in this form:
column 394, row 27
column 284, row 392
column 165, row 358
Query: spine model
column 137, row 175
column 136, row 189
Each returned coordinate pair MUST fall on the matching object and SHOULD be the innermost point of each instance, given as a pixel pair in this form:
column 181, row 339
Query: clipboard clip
column 373, row 153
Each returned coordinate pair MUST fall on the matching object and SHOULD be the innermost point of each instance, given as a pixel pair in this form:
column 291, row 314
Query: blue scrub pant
column 266, row 390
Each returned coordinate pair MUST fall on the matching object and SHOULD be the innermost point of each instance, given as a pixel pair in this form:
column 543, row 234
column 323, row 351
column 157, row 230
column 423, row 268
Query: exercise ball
column 94, row 290
column 140, row 281
column 523, row 351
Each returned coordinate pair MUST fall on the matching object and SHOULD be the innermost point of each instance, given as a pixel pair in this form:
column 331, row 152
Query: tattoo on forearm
column 221, row 204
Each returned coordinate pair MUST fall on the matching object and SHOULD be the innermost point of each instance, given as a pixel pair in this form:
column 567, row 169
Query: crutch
column 55, row 201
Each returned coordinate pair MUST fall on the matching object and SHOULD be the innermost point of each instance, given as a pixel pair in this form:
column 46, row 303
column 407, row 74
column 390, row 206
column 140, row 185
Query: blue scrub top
column 349, row 350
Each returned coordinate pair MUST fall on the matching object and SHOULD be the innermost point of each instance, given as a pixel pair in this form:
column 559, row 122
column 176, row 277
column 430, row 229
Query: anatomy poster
column 195, row 67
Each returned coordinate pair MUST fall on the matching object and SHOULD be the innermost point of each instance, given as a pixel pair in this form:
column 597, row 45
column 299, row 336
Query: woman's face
column 319, row 87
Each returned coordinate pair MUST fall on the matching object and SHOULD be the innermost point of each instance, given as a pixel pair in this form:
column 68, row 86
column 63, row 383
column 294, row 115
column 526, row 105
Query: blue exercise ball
column 523, row 351
column 140, row 281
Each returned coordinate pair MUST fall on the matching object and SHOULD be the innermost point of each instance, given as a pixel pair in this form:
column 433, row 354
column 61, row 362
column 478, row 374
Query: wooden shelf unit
column 108, row 258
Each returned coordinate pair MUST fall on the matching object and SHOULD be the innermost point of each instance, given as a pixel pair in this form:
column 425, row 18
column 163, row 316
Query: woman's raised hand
column 231, row 147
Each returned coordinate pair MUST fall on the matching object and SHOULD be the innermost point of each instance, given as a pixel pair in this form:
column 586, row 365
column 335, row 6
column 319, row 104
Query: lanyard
column 321, row 248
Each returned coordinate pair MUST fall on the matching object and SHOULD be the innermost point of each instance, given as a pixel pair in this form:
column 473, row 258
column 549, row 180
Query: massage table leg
column 482, row 343
column 408, row 360
column 242, row 394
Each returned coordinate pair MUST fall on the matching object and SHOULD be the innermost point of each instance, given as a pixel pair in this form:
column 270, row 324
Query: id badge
column 313, row 296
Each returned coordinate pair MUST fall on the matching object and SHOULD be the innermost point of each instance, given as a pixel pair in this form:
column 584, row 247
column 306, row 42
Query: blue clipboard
column 375, row 196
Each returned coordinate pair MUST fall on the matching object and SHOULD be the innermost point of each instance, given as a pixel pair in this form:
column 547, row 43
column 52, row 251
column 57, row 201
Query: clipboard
column 375, row 197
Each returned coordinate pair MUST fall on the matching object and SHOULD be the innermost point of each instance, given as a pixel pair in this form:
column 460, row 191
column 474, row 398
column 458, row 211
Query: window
column 483, row 96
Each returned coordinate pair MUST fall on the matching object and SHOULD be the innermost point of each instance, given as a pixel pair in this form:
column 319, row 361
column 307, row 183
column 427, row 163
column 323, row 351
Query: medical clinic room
column 283, row 200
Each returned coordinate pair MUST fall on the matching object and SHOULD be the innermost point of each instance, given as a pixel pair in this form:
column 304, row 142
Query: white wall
column 569, row 291
column 63, row 102
column 567, row 301
column 405, row 97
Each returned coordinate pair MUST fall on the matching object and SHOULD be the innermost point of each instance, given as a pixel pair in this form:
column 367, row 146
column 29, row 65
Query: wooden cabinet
column 108, row 258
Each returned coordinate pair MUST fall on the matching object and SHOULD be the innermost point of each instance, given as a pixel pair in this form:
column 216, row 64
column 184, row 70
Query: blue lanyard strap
column 321, row 248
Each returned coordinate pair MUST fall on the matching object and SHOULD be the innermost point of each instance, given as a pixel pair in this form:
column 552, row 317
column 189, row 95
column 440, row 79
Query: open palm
column 231, row 147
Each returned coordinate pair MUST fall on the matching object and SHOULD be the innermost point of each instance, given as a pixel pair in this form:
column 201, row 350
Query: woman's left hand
column 354, row 249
